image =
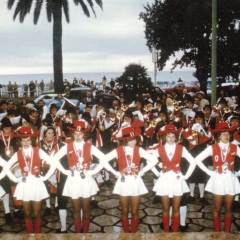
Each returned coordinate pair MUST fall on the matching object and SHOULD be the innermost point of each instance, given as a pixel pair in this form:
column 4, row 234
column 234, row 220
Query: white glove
column 237, row 174
column 211, row 173
column 140, row 173
column 180, row 177
column 160, row 174
column 19, row 179
column 90, row 172
column 68, row 173
column 117, row 174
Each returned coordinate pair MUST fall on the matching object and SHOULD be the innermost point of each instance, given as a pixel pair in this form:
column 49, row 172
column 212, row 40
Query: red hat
column 25, row 132
column 126, row 133
column 169, row 128
column 80, row 126
column 223, row 127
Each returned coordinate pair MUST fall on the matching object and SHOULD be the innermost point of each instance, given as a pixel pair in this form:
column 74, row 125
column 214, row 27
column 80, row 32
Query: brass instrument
column 146, row 109
column 118, row 115
column 124, row 108
column 153, row 123
column 227, row 110
column 103, row 114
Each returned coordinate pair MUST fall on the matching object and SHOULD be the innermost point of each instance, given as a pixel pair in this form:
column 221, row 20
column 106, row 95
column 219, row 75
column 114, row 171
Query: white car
column 51, row 97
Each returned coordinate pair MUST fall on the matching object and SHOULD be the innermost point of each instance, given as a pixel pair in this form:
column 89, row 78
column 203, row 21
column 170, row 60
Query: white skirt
column 169, row 185
column 223, row 184
column 32, row 190
column 76, row 187
column 132, row 186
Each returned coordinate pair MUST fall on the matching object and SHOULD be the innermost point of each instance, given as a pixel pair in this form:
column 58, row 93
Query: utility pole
column 214, row 53
column 154, row 60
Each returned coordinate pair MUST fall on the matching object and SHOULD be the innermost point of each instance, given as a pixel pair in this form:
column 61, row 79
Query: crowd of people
column 60, row 152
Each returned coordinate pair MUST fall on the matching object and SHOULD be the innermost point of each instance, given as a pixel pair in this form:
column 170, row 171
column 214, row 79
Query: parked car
column 51, row 97
column 182, row 85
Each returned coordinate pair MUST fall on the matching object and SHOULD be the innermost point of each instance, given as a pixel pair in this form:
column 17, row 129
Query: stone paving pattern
column 106, row 218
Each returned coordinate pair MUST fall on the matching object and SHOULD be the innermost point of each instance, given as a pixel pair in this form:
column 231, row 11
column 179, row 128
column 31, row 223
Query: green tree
column 54, row 11
column 173, row 26
column 134, row 81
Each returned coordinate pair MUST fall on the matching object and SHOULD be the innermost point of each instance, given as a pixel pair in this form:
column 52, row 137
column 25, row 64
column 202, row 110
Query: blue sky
column 106, row 43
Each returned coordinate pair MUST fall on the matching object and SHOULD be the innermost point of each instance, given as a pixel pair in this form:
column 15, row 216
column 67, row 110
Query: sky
column 107, row 43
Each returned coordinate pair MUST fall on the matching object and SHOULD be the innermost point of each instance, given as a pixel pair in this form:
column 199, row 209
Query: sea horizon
column 95, row 76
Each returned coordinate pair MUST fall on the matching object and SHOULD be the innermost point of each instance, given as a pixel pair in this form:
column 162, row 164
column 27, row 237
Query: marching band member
column 171, row 182
column 234, row 120
column 129, row 185
column 80, row 184
column 222, row 183
column 8, row 147
column 30, row 189
column 197, row 138
column 51, row 145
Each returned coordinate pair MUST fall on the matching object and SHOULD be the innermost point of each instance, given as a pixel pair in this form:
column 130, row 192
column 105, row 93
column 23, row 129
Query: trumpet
column 103, row 114
column 118, row 115
column 146, row 109
column 124, row 108
column 227, row 110
column 153, row 123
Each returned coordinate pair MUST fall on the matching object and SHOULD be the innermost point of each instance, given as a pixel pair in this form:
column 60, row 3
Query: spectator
column 51, row 85
column 25, row 90
column 10, row 89
column 36, row 87
column 15, row 90
column 112, row 83
column 42, row 85
column 32, row 88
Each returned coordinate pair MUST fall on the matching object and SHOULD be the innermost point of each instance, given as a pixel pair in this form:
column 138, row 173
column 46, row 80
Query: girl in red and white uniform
column 129, row 184
column 80, row 184
column 223, row 183
column 171, row 182
column 30, row 189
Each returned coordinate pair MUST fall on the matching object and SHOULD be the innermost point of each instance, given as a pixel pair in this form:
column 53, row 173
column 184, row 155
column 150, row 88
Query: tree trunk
column 57, row 47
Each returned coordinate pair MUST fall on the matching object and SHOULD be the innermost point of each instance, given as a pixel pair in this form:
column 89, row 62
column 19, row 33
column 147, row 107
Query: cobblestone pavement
column 106, row 217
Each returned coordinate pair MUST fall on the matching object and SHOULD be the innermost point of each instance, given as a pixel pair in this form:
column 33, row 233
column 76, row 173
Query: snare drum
column 16, row 170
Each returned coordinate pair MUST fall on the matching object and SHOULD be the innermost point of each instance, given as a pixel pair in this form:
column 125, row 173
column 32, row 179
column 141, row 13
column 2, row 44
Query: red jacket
column 73, row 158
column 36, row 162
column 217, row 157
column 174, row 164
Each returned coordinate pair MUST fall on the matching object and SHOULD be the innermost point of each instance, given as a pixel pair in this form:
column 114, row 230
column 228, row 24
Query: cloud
column 108, row 42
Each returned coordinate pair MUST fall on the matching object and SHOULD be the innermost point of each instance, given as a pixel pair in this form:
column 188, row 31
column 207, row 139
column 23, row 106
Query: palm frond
column 91, row 5
column 25, row 8
column 99, row 3
column 76, row 2
column 49, row 9
column 84, row 8
column 66, row 9
column 10, row 3
column 37, row 11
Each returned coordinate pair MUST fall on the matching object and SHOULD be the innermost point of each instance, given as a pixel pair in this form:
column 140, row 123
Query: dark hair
column 85, row 135
column 49, row 128
column 217, row 135
column 125, row 141
column 163, row 137
column 33, row 141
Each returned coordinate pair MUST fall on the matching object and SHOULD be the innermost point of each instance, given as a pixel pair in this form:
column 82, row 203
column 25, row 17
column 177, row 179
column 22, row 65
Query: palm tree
column 54, row 11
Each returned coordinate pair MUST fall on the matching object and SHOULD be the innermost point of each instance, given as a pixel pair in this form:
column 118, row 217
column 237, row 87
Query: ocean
column 164, row 76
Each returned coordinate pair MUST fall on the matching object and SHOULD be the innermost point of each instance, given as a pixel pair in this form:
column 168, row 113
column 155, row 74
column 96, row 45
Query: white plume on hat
column 30, row 106
column 45, row 112
column 61, row 112
column 2, row 115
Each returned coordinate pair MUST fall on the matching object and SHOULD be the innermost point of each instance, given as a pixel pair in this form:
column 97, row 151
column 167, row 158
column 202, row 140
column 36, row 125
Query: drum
column 16, row 170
